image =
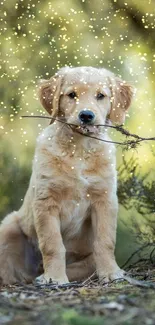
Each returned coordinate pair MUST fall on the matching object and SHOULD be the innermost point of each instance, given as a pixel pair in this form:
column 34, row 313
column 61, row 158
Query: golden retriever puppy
column 66, row 227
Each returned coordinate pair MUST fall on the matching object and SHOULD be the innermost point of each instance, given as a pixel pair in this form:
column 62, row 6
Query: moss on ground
column 119, row 303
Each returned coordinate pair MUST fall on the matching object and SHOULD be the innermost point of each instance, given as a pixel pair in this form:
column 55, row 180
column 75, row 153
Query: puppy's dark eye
column 100, row 96
column 72, row 95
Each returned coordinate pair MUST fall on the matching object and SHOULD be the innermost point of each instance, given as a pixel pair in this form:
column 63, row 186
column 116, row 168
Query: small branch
column 140, row 249
column 119, row 128
column 52, row 286
column 48, row 118
column 151, row 256
column 139, row 283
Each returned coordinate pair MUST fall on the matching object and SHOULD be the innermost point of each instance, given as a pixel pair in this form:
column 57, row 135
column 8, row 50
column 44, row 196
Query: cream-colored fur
column 69, row 214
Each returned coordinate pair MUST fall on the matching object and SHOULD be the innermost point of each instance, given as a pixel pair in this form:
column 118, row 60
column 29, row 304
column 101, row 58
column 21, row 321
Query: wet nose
column 86, row 116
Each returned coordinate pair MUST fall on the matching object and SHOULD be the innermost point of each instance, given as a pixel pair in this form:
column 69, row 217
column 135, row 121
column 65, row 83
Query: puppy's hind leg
column 18, row 259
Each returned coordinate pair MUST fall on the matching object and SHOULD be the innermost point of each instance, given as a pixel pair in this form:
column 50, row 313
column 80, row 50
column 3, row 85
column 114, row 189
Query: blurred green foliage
column 38, row 37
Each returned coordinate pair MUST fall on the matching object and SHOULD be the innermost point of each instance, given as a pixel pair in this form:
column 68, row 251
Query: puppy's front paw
column 46, row 279
column 108, row 276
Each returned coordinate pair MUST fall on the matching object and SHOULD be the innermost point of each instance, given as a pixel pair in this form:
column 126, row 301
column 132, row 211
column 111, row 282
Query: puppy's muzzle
column 86, row 116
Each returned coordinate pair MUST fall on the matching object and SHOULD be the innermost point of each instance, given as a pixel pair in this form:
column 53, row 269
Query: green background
column 39, row 37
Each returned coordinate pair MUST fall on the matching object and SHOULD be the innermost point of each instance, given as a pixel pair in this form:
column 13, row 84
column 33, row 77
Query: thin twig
column 49, row 118
column 54, row 286
column 107, row 141
column 89, row 279
column 139, row 283
column 151, row 256
column 71, row 124
column 135, row 253
column 119, row 128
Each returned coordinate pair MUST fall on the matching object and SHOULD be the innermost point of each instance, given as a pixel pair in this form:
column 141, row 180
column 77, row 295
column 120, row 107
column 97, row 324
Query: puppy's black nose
column 86, row 116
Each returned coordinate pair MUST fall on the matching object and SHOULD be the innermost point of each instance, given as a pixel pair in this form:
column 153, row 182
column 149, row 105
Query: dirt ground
column 120, row 303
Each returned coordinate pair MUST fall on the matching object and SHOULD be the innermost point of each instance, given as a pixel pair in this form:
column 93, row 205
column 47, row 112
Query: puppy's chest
column 85, row 179
column 79, row 179
column 84, row 174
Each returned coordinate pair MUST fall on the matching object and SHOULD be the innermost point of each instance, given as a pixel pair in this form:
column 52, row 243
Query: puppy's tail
column 16, row 253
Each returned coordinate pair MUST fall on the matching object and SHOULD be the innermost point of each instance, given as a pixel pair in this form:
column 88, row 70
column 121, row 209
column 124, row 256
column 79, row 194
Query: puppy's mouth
column 87, row 129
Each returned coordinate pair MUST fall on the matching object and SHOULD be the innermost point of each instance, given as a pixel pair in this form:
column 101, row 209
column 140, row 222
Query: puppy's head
column 86, row 97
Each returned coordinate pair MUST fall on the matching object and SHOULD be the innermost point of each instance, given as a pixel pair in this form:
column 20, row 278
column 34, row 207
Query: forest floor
column 116, row 303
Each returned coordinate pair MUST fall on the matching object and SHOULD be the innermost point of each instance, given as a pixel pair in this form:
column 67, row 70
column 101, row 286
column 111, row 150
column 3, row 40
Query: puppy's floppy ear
column 49, row 94
column 122, row 94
